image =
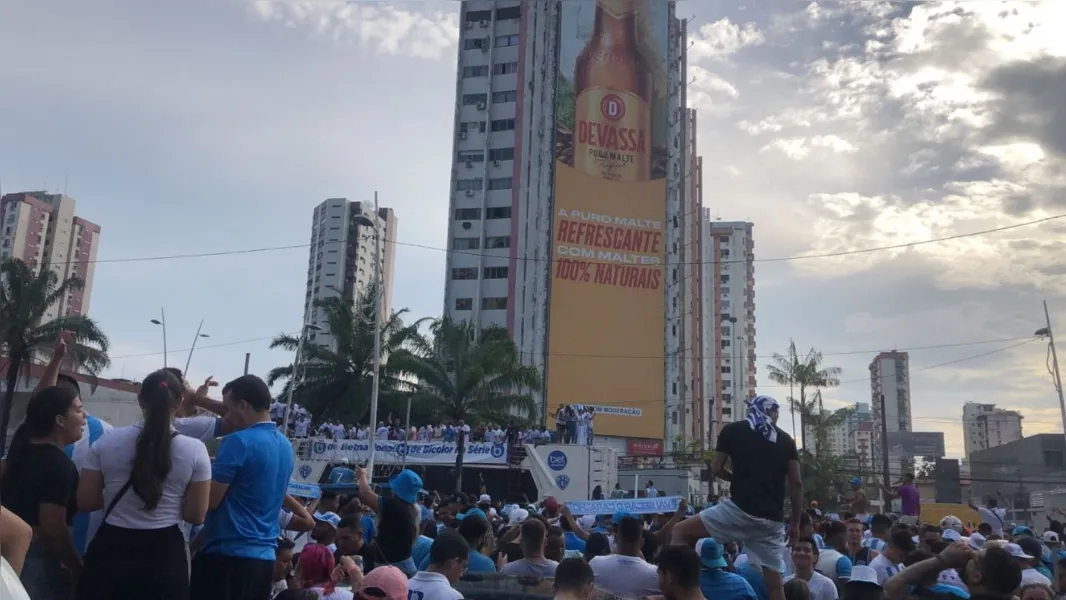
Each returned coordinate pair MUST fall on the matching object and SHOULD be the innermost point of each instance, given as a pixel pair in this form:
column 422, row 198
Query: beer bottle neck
column 616, row 21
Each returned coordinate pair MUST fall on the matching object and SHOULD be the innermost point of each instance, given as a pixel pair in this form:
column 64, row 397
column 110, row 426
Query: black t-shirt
column 862, row 557
column 397, row 529
column 760, row 469
column 40, row 474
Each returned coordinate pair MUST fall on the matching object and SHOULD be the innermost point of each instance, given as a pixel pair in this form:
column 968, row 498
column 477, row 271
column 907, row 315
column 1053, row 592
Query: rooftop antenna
column 66, row 178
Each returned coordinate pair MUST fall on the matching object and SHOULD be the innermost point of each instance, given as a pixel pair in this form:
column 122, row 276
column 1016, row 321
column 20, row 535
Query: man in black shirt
column 763, row 457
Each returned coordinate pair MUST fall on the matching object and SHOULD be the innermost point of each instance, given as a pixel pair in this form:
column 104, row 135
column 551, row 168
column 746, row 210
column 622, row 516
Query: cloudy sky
column 214, row 125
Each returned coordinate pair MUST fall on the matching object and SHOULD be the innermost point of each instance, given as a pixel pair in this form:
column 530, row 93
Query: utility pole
column 1054, row 365
column 378, row 293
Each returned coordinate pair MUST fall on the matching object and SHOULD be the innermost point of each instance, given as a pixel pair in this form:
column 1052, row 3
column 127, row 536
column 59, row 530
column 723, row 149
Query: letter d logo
column 613, row 107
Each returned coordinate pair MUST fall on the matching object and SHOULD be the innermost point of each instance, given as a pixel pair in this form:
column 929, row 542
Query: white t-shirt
column 204, row 429
column 431, row 586
column 338, row 594
column 994, row 517
column 113, row 456
column 885, row 568
column 626, row 576
column 822, row 587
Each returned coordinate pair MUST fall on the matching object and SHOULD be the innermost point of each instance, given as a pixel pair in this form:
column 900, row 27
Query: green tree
column 25, row 297
column 461, row 373
column 822, row 472
column 805, row 372
column 336, row 382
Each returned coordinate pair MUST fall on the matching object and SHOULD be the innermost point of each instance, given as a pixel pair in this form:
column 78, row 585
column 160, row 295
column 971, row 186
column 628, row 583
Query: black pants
column 135, row 564
column 217, row 577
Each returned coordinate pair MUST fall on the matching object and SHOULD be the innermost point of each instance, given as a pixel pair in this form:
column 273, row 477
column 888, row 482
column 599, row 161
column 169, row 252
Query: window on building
column 494, row 303
column 500, row 183
column 510, row 12
column 503, row 125
column 723, row 278
column 501, row 154
column 467, row 214
column 501, row 241
column 502, row 41
column 475, row 43
column 504, row 68
column 495, row 273
column 473, row 99
column 462, row 185
column 726, row 343
column 475, row 16
column 476, row 71
column 464, row 304
column 724, row 253
column 464, row 273
column 498, row 212
column 501, row 97
column 472, row 126
column 474, row 156
column 466, row 243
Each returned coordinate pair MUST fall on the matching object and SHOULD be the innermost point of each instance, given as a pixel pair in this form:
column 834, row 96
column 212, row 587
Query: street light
column 162, row 322
column 194, row 340
column 292, row 378
column 364, row 220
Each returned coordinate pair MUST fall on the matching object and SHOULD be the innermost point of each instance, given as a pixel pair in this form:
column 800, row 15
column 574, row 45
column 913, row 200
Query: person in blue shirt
column 342, row 473
column 753, row 575
column 715, row 580
column 250, row 477
column 833, row 562
column 449, row 433
column 473, row 525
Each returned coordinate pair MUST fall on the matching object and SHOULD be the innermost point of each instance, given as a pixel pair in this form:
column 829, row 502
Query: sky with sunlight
column 215, row 125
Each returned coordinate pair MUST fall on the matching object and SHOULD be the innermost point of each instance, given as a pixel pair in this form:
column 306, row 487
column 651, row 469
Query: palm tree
column 25, row 297
column 821, row 471
column 805, row 372
column 336, row 382
column 465, row 374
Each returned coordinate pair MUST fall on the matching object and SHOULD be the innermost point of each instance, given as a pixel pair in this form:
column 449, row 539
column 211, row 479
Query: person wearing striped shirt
column 880, row 526
column 890, row 561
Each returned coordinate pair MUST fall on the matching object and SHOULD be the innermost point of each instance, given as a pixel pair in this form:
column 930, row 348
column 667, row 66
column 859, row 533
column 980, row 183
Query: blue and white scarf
column 758, row 420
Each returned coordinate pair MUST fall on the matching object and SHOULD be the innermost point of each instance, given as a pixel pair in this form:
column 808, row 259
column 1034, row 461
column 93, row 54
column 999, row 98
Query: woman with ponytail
column 148, row 480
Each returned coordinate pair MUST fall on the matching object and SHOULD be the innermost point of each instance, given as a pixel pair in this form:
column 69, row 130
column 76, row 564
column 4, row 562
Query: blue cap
column 711, row 554
column 618, row 516
column 473, row 512
column 1020, row 530
column 856, row 481
column 329, row 517
column 405, row 486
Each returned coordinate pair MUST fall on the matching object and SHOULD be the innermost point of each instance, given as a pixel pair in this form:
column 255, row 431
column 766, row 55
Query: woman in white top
column 150, row 480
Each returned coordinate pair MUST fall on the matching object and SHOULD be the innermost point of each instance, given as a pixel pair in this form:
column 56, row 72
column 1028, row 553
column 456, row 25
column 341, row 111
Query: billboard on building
column 916, row 443
column 607, row 310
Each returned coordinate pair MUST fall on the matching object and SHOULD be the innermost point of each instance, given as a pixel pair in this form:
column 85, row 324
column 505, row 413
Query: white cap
column 517, row 516
column 587, row 522
column 484, row 499
column 1051, row 537
column 951, row 535
column 976, row 541
column 1016, row 551
column 863, row 574
column 344, row 461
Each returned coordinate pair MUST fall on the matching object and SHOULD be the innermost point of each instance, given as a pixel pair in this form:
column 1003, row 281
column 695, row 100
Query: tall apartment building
column 696, row 420
column 985, row 426
column 341, row 258
column 849, row 437
column 508, row 142
column 42, row 230
column 890, row 376
column 730, row 363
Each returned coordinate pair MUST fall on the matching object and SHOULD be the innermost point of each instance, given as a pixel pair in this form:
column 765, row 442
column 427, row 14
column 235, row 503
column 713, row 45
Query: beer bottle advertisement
column 608, row 237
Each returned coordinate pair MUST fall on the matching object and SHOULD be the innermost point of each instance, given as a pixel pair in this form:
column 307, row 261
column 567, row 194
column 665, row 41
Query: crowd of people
column 142, row 512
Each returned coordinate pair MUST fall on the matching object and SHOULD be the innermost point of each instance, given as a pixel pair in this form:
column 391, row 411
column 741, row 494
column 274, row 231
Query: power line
column 553, row 260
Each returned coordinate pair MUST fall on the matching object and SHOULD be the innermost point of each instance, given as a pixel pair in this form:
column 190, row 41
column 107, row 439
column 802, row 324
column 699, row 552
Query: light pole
column 194, row 340
column 1046, row 331
column 378, row 292
column 292, row 378
column 162, row 322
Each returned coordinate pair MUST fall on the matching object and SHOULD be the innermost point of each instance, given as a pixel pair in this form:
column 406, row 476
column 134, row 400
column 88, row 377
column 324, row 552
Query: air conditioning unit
column 485, row 47
column 484, row 24
column 462, row 135
column 481, row 106
column 495, row 163
column 469, row 193
column 470, row 164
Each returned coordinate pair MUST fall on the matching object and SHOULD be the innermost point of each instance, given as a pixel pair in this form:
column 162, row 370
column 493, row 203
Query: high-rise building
column 890, row 377
column 985, row 426
column 730, row 363
column 42, row 230
column 341, row 259
column 567, row 203
column 845, row 439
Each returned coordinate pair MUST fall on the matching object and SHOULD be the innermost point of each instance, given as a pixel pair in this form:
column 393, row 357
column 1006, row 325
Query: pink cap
column 388, row 579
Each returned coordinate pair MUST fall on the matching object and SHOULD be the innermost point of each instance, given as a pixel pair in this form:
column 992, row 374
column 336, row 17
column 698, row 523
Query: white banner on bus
column 418, row 453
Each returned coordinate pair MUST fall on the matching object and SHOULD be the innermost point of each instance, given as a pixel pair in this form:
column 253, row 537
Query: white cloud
column 722, row 38
column 801, row 148
column 379, row 28
column 708, row 92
